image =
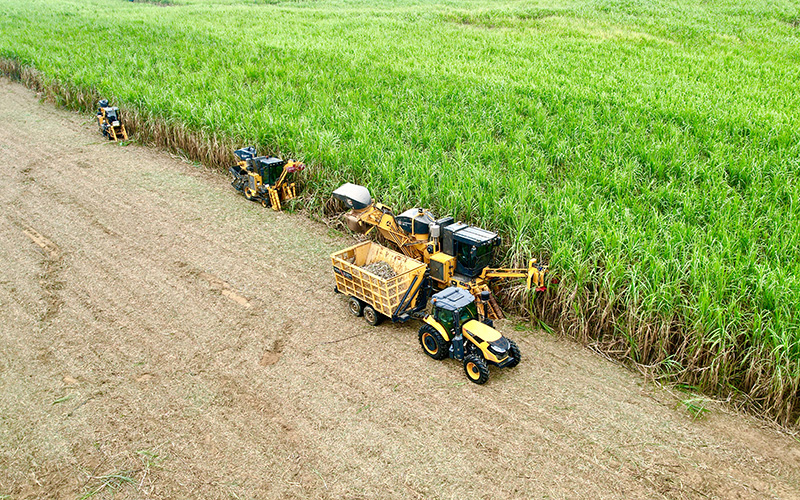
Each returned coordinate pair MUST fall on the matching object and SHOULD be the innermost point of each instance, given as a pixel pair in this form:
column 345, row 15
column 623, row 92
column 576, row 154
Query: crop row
column 650, row 153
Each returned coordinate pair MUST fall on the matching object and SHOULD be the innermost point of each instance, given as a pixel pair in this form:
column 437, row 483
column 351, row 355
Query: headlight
column 500, row 346
column 497, row 350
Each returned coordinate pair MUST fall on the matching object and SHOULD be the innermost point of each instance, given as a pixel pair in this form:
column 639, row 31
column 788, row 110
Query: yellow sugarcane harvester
column 109, row 121
column 264, row 179
column 456, row 254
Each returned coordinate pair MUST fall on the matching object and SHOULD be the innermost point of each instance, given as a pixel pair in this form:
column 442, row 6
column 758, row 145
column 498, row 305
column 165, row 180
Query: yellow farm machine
column 456, row 254
column 263, row 179
column 456, row 327
column 109, row 121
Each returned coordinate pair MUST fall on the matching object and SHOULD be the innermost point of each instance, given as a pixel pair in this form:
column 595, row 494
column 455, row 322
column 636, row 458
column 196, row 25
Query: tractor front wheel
column 432, row 342
column 355, row 306
column 476, row 369
column 372, row 316
column 513, row 351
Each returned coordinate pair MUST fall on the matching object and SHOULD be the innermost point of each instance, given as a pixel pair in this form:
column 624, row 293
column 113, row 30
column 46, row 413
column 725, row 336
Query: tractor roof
column 452, row 298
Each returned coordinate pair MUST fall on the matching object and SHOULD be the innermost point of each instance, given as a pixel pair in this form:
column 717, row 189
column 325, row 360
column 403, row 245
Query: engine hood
column 482, row 331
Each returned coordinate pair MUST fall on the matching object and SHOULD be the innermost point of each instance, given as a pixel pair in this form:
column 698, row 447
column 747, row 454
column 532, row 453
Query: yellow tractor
column 263, row 179
column 456, row 254
column 457, row 326
column 456, row 330
column 109, row 121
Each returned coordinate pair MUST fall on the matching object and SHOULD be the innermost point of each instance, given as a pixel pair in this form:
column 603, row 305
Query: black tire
column 355, row 306
column 476, row 369
column 263, row 203
column 513, row 351
column 432, row 342
column 372, row 316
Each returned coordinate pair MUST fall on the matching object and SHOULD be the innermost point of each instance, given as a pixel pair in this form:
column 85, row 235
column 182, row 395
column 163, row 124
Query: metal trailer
column 398, row 298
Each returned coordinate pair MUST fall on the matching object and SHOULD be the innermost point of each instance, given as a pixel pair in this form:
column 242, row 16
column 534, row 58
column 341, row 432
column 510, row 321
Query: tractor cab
column 453, row 307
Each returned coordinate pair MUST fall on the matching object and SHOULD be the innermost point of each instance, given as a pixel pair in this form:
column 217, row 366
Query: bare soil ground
column 161, row 337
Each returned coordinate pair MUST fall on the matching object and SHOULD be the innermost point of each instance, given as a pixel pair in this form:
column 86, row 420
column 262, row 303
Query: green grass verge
column 648, row 150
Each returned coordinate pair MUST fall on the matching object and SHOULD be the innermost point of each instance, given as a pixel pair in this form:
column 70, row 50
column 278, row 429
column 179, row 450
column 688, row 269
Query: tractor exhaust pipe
column 485, row 305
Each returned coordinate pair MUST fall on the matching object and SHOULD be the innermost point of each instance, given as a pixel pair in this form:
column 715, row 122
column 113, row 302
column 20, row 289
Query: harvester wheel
column 476, row 369
column 263, row 203
column 372, row 316
column 432, row 342
column 355, row 306
column 247, row 194
column 513, row 351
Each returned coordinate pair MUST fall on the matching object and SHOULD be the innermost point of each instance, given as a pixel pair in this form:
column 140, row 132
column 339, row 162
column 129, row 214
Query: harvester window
column 473, row 259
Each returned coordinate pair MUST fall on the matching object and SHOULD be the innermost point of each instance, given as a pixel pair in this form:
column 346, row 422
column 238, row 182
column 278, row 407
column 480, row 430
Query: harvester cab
column 455, row 329
column 263, row 179
column 469, row 248
column 109, row 121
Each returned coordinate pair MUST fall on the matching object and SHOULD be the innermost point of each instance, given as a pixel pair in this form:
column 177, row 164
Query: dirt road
column 160, row 337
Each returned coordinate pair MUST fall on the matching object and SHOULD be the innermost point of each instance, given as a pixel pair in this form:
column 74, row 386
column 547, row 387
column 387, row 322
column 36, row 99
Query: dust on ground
column 161, row 337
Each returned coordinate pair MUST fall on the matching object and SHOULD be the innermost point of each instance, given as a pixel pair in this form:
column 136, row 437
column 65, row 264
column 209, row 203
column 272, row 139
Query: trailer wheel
column 372, row 316
column 355, row 306
column 513, row 351
column 476, row 369
column 432, row 342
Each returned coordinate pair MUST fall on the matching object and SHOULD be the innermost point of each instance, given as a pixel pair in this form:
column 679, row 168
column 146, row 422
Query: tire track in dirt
column 52, row 269
column 223, row 288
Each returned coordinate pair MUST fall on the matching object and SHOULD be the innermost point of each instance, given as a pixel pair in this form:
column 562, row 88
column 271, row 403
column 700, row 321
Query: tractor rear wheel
column 513, row 351
column 355, row 306
column 372, row 316
column 476, row 369
column 432, row 342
